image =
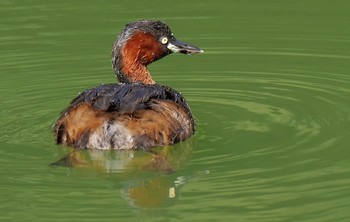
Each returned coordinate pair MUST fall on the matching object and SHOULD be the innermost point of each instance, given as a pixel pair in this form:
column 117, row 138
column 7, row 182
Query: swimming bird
column 136, row 113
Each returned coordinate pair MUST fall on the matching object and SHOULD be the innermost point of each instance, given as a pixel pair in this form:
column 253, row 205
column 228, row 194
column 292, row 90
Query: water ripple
column 287, row 109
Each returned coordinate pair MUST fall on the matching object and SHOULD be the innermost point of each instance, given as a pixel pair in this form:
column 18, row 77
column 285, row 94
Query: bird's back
column 125, row 116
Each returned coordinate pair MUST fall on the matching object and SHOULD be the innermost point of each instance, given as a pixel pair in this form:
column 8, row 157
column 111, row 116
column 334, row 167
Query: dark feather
column 127, row 98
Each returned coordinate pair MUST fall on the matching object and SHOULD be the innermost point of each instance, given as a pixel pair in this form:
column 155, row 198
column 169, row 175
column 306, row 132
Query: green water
column 270, row 96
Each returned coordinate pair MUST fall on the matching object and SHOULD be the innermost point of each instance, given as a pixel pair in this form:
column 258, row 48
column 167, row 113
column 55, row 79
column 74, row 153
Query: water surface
column 270, row 97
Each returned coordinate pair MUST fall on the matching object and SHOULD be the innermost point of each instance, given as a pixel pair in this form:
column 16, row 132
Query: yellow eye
column 164, row 40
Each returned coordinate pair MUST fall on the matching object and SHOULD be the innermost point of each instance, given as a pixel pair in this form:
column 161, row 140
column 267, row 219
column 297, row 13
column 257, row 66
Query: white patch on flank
column 111, row 136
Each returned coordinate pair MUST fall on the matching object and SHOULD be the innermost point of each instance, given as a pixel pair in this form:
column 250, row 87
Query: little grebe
column 137, row 113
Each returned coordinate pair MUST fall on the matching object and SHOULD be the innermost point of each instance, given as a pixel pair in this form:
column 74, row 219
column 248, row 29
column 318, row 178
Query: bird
column 136, row 113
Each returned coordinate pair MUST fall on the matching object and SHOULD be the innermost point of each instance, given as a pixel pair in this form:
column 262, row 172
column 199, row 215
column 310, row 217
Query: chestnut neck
column 131, row 56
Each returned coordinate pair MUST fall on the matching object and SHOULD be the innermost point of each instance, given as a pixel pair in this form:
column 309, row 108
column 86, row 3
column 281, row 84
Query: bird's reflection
column 159, row 187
